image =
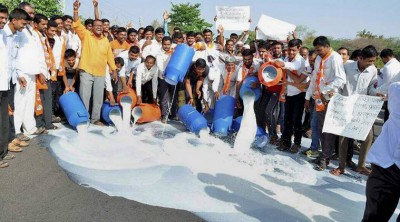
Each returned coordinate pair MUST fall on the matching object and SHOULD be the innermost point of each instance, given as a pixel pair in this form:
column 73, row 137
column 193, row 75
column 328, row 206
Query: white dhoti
column 24, row 103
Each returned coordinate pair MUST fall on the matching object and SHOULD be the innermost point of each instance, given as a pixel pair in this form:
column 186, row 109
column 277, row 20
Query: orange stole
column 319, row 105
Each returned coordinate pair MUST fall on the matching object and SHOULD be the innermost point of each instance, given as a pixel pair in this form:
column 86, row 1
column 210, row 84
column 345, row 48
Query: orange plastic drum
column 131, row 94
column 150, row 113
column 269, row 75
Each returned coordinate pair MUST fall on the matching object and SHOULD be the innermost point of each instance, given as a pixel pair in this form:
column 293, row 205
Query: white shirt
column 162, row 62
column 389, row 70
column 298, row 64
column 130, row 66
column 233, row 81
column 57, row 50
column 383, row 89
column 334, row 75
column 256, row 67
column 144, row 75
column 359, row 82
column 73, row 42
column 28, row 60
column 153, row 49
column 5, row 76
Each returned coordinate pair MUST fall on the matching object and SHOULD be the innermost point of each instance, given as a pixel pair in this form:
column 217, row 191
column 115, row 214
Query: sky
column 336, row 18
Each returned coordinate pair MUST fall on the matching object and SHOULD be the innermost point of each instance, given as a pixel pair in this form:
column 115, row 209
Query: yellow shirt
column 96, row 52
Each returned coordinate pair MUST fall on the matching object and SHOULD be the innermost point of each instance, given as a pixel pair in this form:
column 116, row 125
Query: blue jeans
column 315, row 143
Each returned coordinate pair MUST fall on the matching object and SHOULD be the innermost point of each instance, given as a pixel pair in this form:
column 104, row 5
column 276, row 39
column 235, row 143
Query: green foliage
column 188, row 17
column 46, row 7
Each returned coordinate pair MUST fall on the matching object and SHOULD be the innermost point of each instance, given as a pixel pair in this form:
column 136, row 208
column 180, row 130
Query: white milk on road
column 136, row 114
column 248, row 127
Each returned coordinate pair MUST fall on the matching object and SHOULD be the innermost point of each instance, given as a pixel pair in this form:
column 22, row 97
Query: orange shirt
column 96, row 52
column 115, row 45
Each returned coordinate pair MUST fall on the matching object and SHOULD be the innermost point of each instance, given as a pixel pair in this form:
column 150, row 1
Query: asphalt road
column 35, row 188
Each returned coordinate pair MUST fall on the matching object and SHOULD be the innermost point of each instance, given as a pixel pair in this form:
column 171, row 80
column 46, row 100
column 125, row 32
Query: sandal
column 321, row 165
column 53, row 127
column 3, row 164
column 23, row 137
column 337, row 172
column 9, row 156
column 14, row 148
column 41, row 130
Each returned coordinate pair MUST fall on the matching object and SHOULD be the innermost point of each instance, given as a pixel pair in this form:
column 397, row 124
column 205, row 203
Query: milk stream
column 136, row 114
column 248, row 127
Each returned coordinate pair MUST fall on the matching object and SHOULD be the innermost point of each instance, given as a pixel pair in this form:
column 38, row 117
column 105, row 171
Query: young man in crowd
column 73, row 41
column 153, row 47
column 229, row 75
column 132, row 37
column 361, row 76
column 294, row 96
column 119, row 44
column 93, row 66
column 89, row 24
column 344, row 53
column 147, row 81
column 71, row 76
column 193, row 83
column 127, row 73
column 168, row 101
column 328, row 78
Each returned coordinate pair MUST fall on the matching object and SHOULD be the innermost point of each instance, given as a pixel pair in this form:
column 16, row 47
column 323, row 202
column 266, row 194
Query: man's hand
column 42, row 79
column 22, row 82
column 95, row 3
column 307, row 105
column 215, row 18
column 217, row 95
column 166, row 15
column 125, row 88
column 383, row 96
column 115, row 76
column 198, row 92
column 139, row 100
column 77, row 4
column 72, row 88
column 66, row 90
column 191, row 101
column 220, row 29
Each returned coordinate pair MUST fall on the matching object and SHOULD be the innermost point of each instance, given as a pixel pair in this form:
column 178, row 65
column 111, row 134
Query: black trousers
column 166, row 92
column 294, row 107
column 147, row 92
column 46, row 96
column 11, row 131
column 383, row 193
column 328, row 140
column 57, row 91
column 4, row 124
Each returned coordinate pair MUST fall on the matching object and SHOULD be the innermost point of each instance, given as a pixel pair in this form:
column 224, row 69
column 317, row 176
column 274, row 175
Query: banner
column 352, row 116
column 233, row 18
column 274, row 29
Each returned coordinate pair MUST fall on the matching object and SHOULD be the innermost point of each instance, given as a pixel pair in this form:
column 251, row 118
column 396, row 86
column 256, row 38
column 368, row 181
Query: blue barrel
column 247, row 86
column 105, row 112
column 192, row 119
column 74, row 109
column 223, row 115
column 209, row 117
column 179, row 64
column 238, row 121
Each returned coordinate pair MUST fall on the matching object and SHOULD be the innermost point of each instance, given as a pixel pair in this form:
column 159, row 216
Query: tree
column 46, row 7
column 367, row 34
column 187, row 17
column 306, row 35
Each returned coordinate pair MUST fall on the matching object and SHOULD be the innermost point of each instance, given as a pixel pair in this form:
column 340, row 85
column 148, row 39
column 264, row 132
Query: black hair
column 97, row 20
column 134, row 49
column 132, row 30
column 369, row 52
column 306, row 48
column 229, row 40
column 233, row 35
column 39, row 17
column 386, row 53
column 263, row 45
column 321, row 41
column 294, row 43
column 52, row 23
column 55, row 17
column 119, row 60
column 121, row 29
column 199, row 33
column 3, row 9
column 69, row 53
column 247, row 52
column 310, row 52
column 190, row 34
column 22, row 5
column 66, row 17
column 151, row 57
column 356, row 53
column 88, row 22
column 166, row 38
column 149, row 28
column 141, row 28
column 274, row 43
column 177, row 29
column 159, row 30
column 177, row 35
column 207, row 31
column 201, row 63
column 344, row 48
column 105, row 20
column 19, row 14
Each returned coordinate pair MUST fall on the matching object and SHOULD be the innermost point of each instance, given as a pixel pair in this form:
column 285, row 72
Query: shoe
column 55, row 119
column 273, row 140
column 23, row 137
column 311, row 153
column 321, row 165
column 295, row 148
column 3, row 164
column 308, row 134
column 283, row 146
column 335, row 156
column 20, row 143
column 14, row 148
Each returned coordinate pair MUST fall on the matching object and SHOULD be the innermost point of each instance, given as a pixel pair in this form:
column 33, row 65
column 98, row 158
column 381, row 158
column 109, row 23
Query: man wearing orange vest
column 328, row 77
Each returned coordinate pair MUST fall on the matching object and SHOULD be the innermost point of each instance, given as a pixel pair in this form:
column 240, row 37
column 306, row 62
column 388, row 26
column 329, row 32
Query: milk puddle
column 204, row 175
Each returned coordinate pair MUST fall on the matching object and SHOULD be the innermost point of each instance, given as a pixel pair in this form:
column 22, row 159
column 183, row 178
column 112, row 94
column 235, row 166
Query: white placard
column 261, row 35
column 274, row 29
column 352, row 116
column 233, row 18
